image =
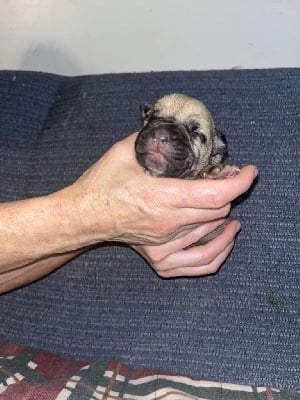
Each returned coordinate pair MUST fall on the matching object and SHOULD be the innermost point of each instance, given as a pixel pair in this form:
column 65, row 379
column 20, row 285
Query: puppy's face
column 178, row 138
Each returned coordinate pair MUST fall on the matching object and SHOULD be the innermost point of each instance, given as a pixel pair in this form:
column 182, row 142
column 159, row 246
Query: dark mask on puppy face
column 179, row 139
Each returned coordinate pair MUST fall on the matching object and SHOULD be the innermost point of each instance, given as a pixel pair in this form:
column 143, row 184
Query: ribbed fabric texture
column 241, row 325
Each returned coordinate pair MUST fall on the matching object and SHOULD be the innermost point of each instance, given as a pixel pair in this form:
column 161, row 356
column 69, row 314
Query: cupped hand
column 172, row 259
column 117, row 200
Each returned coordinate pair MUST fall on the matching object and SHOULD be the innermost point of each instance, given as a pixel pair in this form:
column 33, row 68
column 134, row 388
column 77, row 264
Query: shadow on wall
column 48, row 59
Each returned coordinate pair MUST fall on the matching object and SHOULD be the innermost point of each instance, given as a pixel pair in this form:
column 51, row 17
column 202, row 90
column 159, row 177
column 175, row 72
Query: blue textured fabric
column 241, row 325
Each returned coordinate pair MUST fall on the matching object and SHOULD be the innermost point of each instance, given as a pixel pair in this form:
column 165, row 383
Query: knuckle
column 216, row 199
column 205, row 256
column 170, row 273
column 155, row 257
column 225, row 210
column 162, row 274
column 162, row 268
column 213, row 269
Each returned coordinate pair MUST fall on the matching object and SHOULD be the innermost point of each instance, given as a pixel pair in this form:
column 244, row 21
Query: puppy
column 179, row 139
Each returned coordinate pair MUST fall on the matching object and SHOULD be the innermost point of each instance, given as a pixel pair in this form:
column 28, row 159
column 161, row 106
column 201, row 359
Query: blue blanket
column 241, row 325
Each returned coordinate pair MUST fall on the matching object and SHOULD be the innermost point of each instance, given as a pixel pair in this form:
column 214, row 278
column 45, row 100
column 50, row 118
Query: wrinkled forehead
column 198, row 120
column 184, row 112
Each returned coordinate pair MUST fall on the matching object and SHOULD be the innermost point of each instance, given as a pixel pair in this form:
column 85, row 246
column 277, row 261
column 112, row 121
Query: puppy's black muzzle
column 164, row 148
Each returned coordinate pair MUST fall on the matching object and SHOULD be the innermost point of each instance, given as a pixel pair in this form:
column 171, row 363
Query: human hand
column 172, row 259
column 116, row 200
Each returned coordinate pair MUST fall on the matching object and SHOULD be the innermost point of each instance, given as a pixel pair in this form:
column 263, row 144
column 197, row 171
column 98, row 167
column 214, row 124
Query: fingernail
column 255, row 173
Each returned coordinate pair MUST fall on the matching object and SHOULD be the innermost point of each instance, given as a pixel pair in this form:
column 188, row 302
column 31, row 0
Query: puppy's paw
column 221, row 172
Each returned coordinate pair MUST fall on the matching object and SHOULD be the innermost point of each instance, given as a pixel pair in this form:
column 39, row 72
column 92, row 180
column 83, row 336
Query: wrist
column 80, row 218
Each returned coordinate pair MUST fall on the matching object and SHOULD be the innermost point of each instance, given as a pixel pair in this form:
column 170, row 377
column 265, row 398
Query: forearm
column 40, row 228
column 21, row 276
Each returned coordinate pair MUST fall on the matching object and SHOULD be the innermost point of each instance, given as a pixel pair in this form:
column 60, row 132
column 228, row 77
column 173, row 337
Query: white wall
column 96, row 36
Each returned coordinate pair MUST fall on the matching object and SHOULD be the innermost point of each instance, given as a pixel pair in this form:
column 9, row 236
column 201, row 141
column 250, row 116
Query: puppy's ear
column 146, row 111
column 219, row 145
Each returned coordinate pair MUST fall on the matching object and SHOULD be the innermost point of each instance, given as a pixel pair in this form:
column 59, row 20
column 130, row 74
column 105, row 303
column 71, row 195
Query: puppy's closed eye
column 193, row 126
column 194, row 129
column 199, row 135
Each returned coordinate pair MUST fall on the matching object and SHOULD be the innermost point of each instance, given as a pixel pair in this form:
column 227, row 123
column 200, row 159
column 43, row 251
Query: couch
column 239, row 326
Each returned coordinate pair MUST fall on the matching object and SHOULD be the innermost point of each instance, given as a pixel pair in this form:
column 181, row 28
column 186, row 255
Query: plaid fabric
column 26, row 373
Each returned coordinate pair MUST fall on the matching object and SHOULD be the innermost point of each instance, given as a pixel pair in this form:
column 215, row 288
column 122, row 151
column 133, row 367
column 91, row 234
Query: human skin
column 115, row 200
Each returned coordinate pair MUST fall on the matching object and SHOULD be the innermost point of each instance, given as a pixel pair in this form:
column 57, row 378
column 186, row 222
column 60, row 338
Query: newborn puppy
column 179, row 139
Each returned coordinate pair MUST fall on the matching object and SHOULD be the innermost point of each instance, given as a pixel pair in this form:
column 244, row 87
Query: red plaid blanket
column 26, row 373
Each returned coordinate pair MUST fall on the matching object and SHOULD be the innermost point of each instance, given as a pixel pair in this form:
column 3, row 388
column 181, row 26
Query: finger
column 189, row 236
column 208, row 193
column 201, row 255
column 179, row 225
column 192, row 216
column 200, row 270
